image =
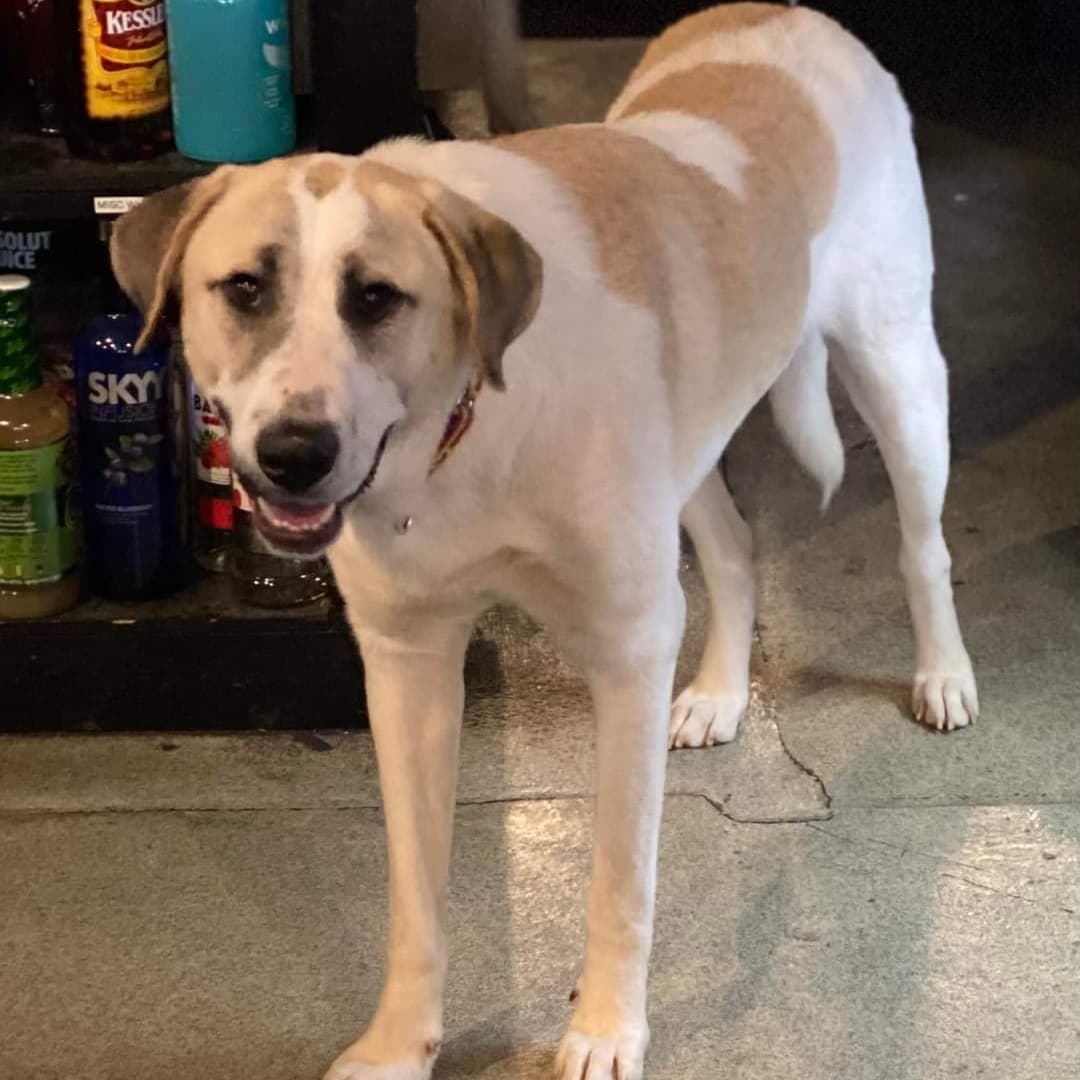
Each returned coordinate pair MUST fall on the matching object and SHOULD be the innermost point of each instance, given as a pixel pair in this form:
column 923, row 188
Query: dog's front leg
column 631, row 685
column 415, row 695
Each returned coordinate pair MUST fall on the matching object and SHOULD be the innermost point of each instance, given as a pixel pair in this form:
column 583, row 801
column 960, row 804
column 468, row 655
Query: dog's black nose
column 294, row 455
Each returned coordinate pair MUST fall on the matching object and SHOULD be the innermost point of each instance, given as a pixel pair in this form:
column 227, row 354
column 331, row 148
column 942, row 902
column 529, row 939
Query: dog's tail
column 803, row 413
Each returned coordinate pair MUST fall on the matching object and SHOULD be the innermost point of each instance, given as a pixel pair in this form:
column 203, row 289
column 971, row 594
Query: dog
column 505, row 371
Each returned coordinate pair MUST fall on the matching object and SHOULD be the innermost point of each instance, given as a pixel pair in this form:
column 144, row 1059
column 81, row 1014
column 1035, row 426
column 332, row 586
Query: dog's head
column 329, row 306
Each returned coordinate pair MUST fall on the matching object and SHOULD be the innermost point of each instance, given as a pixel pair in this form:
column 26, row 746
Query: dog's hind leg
column 896, row 378
column 708, row 711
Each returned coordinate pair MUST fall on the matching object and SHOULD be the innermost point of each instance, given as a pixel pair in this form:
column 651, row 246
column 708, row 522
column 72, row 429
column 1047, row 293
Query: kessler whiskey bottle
column 116, row 78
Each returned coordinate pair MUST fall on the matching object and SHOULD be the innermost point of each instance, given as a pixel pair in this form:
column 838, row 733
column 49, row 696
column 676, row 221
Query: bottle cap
column 20, row 370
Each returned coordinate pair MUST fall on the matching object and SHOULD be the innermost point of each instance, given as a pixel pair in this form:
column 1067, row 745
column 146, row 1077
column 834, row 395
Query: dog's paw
column 945, row 700
column 699, row 719
column 593, row 1057
column 358, row 1064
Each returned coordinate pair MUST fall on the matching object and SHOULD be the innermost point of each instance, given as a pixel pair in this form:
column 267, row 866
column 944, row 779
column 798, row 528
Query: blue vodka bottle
column 127, row 457
column 231, row 74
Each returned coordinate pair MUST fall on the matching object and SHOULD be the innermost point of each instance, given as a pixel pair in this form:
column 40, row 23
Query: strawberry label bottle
column 213, row 487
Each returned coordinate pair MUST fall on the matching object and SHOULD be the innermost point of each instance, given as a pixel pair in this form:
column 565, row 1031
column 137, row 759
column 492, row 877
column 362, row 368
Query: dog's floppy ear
column 148, row 242
column 496, row 274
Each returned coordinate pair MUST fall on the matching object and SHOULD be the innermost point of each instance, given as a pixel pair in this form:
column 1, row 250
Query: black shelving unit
column 198, row 660
column 40, row 180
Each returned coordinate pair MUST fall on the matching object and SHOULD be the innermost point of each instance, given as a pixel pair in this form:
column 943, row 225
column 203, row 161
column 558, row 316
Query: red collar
column 457, row 423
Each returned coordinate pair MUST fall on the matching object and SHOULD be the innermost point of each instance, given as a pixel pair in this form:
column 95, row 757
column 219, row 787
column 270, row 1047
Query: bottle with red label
column 114, row 56
column 212, row 483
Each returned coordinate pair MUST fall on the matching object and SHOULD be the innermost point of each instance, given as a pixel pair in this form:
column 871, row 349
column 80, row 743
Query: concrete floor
column 843, row 895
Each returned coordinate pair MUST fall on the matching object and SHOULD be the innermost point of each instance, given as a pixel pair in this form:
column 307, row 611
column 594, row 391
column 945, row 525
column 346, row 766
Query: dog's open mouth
column 298, row 530
column 307, row 529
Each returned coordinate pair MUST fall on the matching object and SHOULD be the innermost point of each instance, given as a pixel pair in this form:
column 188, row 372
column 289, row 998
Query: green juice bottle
column 38, row 560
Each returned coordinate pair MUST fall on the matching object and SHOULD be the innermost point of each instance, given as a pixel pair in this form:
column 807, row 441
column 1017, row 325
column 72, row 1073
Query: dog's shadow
column 815, row 680
column 491, row 1051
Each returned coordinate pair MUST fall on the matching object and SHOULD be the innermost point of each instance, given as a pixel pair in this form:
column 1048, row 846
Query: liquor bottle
column 231, row 73
column 127, row 456
column 24, row 248
column 213, row 485
column 52, row 253
column 29, row 60
column 38, row 571
column 180, row 428
column 114, row 62
column 261, row 577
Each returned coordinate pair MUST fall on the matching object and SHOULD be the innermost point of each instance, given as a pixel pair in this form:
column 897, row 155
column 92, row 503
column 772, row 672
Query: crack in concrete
column 271, row 808
column 904, row 849
column 769, row 707
column 952, row 802
column 266, row 808
column 934, row 857
column 719, row 806
column 722, row 808
column 826, row 797
column 1009, row 895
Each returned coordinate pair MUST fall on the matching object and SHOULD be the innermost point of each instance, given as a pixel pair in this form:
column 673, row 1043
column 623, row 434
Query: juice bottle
column 38, row 574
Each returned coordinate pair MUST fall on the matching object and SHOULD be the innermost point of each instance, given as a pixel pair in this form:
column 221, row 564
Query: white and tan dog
column 605, row 303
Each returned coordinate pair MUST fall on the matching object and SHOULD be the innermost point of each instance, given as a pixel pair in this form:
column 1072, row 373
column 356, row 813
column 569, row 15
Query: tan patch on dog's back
column 638, row 201
column 727, row 18
column 767, row 111
column 323, row 177
column 603, row 169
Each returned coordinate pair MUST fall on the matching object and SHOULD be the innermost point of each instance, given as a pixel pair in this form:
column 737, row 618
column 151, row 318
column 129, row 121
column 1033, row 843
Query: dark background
column 1009, row 68
column 899, row 28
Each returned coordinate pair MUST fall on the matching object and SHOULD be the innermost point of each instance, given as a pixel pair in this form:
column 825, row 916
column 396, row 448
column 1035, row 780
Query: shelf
column 207, row 600
column 194, row 661
column 41, row 180
column 199, row 661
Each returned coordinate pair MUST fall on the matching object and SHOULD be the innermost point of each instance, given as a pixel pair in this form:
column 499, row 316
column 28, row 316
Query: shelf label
column 115, row 204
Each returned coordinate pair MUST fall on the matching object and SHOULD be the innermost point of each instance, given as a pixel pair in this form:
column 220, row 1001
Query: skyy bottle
column 126, row 452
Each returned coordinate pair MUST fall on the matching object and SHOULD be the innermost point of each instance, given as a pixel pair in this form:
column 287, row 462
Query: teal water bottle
column 231, row 73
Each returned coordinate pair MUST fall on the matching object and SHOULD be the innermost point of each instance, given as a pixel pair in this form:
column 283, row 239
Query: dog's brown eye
column 242, row 291
column 372, row 302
